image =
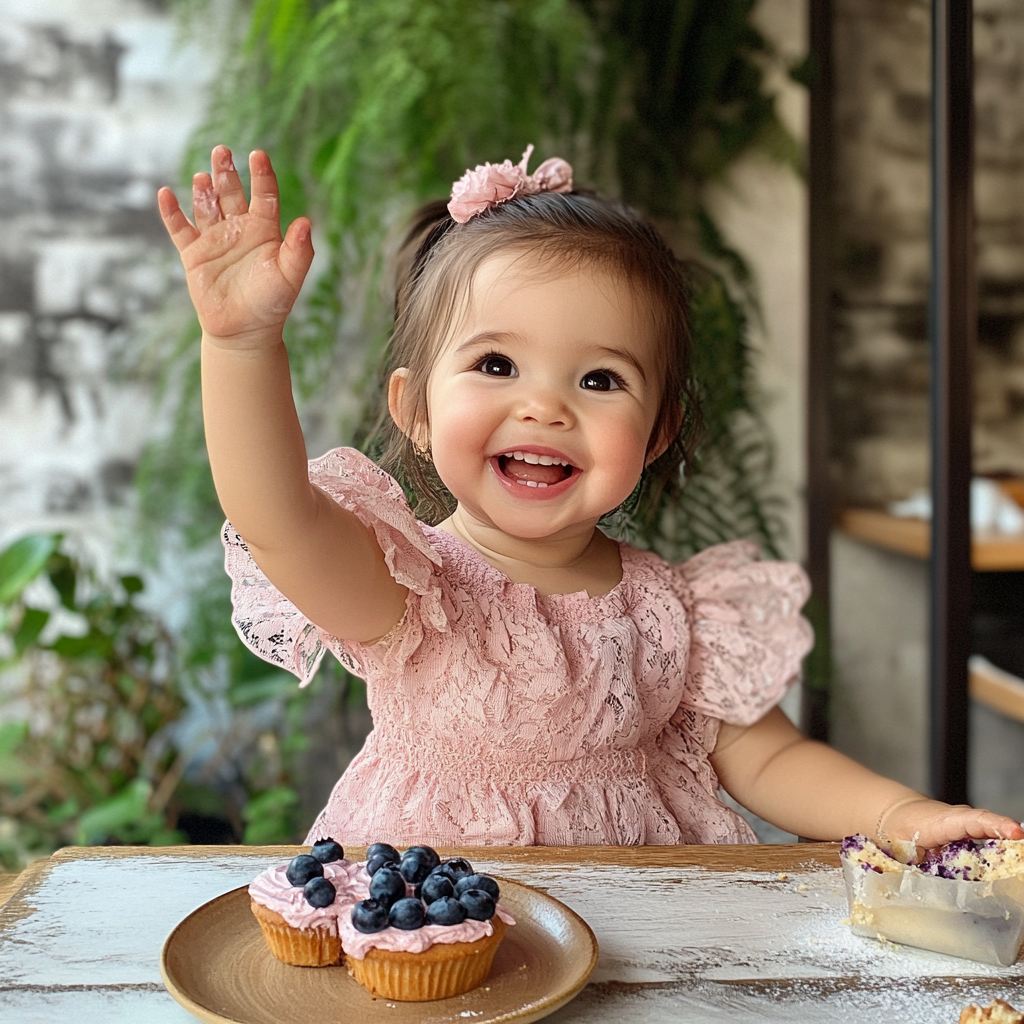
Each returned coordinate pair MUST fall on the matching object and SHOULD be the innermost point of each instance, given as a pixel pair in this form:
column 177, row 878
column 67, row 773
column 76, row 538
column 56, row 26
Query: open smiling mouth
column 526, row 468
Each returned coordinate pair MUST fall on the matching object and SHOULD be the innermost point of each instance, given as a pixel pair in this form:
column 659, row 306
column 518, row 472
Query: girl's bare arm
column 814, row 791
column 243, row 279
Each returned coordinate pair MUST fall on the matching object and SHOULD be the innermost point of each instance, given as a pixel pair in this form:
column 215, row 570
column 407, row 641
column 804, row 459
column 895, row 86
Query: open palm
column 243, row 277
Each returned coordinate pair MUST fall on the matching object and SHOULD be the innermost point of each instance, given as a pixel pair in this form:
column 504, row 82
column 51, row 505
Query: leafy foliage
column 681, row 95
column 109, row 731
column 83, row 750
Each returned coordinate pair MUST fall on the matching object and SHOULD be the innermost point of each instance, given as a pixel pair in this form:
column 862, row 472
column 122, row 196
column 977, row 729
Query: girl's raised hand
column 243, row 277
column 931, row 824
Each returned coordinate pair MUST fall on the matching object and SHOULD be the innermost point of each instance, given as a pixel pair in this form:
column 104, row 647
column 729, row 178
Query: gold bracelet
column 881, row 836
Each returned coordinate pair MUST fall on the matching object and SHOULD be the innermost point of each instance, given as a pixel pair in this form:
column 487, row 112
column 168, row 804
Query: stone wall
column 97, row 101
column 882, row 205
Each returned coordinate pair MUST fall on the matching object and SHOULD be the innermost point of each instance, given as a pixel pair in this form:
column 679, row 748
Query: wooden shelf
column 999, row 690
column 913, row 537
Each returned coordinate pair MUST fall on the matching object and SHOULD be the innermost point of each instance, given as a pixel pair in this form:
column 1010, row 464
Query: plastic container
column 977, row 920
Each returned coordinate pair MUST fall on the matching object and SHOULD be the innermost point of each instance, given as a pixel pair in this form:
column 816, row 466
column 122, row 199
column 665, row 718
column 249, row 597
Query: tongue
column 524, row 471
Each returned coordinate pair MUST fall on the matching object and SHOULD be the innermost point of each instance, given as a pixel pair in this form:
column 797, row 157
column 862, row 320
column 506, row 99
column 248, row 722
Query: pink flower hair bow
column 487, row 184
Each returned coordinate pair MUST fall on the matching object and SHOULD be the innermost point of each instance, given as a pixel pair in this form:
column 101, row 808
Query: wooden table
column 690, row 933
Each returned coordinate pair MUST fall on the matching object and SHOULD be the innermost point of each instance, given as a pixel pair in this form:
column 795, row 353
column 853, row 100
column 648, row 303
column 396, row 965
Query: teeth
column 533, row 483
column 536, row 460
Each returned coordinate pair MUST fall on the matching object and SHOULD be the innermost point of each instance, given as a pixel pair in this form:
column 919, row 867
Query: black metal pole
column 953, row 327
column 818, row 666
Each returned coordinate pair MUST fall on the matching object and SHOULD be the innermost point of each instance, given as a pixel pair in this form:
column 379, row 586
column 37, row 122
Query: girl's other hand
column 930, row 824
column 242, row 276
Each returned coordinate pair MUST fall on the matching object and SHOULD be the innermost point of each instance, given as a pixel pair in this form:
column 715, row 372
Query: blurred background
column 129, row 711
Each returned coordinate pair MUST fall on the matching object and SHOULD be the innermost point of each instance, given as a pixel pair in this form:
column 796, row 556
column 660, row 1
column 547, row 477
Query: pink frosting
column 357, row 944
column 272, row 889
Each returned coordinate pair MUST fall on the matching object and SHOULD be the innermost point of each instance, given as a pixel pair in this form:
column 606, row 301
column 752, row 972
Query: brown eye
column 496, row 366
column 601, row 380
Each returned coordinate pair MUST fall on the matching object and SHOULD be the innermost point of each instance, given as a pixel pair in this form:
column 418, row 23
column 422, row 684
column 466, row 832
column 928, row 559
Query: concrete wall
column 96, row 103
column 882, row 77
column 880, row 705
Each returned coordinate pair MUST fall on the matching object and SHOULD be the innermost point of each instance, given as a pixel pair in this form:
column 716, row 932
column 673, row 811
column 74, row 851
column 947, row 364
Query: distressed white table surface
column 686, row 934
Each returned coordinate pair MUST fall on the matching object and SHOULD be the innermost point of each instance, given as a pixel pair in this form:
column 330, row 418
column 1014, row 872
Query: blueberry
column 387, row 885
column 479, row 904
column 428, row 853
column 385, row 850
column 416, row 865
column 435, row 887
column 484, row 882
column 303, row 868
column 319, row 892
column 369, row 916
column 327, row 851
column 445, row 872
column 446, row 911
column 406, row 914
column 376, row 862
column 853, row 844
column 458, row 867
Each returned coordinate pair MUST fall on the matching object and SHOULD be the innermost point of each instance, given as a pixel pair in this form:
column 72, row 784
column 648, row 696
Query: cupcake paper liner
column 314, row 947
column 442, row 971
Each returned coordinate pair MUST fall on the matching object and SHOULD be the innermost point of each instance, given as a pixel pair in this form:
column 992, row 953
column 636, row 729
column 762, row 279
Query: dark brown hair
column 434, row 274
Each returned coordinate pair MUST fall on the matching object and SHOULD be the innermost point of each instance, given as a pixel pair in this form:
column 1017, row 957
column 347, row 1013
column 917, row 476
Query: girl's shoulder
column 747, row 636
column 734, row 568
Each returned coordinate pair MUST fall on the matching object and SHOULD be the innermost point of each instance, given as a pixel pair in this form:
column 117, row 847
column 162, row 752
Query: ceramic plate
column 216, row 964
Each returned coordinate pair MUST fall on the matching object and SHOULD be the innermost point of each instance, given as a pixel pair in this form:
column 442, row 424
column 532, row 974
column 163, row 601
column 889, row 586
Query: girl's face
column 542, row 402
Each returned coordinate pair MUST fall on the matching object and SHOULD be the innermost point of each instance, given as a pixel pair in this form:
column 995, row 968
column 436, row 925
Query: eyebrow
column 499, row 336
column 626, row 357
column 475, row 339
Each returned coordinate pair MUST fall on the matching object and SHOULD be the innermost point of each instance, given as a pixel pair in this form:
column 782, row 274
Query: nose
column 546, row 406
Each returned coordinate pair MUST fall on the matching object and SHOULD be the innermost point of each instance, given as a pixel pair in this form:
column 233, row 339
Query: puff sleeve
column 748, row 637
column 275, row 630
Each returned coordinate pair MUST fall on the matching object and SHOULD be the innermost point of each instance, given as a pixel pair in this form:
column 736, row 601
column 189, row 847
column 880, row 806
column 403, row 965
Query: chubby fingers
column 230, row 193
column 182, row 231
column 266, row 202
column 205, row 207
column 978, row 823
column 296, row 251
column 999, row 826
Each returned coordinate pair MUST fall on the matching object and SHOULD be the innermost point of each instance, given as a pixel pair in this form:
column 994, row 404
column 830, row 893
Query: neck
column 582, row 558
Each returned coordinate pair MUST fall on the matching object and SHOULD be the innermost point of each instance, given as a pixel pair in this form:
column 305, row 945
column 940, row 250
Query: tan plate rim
column 536, row 1012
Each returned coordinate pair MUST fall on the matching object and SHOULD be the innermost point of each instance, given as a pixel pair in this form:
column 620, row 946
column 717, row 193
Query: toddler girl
column 530, row 679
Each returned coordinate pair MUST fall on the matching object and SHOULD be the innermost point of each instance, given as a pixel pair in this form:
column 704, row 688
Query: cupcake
column 298, row 904
column 428, row 930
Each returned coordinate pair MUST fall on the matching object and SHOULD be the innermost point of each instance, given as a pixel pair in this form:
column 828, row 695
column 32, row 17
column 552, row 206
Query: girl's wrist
column 259, row 339
column 885, row 814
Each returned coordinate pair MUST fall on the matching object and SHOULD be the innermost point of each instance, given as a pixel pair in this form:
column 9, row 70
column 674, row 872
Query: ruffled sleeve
column 274, row 629
column 748, row 637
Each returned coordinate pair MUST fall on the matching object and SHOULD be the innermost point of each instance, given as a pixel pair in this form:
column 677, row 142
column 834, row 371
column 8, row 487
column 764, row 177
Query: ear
column 399, row 410
column 396, row 391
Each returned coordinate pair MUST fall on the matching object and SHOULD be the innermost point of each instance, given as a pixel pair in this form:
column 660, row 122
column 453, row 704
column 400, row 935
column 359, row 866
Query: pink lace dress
column 505, row 717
